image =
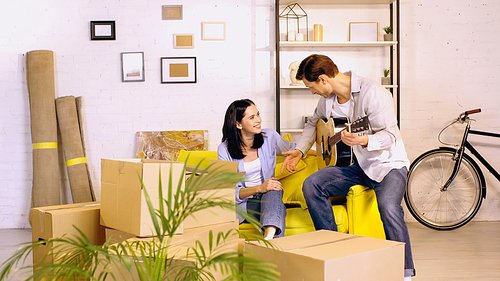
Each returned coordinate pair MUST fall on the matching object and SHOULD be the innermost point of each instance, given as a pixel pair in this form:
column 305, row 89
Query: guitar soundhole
column 326, row 151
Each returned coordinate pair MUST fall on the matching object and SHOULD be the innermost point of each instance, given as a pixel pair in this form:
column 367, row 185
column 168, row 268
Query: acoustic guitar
column 326, row 139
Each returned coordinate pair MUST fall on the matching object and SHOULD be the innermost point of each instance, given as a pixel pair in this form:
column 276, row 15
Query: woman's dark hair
column 232, row 134
column 315, row 65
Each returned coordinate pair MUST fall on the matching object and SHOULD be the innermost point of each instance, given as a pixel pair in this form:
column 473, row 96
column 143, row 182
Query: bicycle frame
column 460, row 151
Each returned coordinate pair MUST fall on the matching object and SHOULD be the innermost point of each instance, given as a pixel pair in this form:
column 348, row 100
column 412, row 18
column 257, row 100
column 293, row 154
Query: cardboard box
column 179, row 245
column 56, row 221
column 190, row 236
column 123, row 204
column 214, row 215
column 329, row 255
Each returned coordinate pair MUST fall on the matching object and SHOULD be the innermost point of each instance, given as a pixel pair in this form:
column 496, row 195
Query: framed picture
column 102, row 30
column 183, row 41
column 178, row 70
column 363, row 31
column 133, row 67
column 171, row 12
column 214, row 31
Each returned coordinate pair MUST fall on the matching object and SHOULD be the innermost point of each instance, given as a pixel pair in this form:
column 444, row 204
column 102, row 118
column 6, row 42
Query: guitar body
column 326, row 154
column 327, row 138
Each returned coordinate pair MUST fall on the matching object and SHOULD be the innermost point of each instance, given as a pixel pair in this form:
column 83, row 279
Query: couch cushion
column 292, row 185
column 298, row 220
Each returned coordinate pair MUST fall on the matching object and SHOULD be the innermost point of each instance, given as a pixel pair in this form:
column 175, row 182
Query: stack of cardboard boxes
column 123, row 214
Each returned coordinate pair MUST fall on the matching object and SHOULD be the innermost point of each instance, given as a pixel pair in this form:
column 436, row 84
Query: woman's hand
column 270, row 184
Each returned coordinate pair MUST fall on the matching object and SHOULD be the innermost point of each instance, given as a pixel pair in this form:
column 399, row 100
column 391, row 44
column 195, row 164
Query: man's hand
column 351, row 139
column 291, row 160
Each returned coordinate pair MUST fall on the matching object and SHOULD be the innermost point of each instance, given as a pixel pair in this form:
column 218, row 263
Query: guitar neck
column 335, row 138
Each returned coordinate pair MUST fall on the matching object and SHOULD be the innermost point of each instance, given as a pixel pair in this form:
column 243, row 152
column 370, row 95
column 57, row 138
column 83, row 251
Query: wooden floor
column 468, row 253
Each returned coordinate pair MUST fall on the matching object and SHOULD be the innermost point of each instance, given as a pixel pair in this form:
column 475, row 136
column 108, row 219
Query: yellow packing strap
column 75, row 161
column 44, row 145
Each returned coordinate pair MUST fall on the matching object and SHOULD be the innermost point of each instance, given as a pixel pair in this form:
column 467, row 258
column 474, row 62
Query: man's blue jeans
column 336, row 181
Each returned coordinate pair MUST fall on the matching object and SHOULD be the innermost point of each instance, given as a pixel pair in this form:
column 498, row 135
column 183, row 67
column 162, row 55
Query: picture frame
column 183, row 41
column 102, row 30
column 171, row 12
column 178, row 70
column 132, row 66
column 213, row 31
column 363, row 31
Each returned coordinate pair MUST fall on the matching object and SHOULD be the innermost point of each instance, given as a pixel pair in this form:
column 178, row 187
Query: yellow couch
column 358, row 215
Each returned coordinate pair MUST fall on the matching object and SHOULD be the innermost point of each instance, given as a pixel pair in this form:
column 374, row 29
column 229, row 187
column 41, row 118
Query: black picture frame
column 178, row 70
column 102, row 30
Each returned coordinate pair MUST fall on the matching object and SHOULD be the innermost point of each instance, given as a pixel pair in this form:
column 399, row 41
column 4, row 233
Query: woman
column 254, row 148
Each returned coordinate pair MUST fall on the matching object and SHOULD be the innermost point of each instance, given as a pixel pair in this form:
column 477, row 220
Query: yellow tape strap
column 75, row 161
column 44, row 145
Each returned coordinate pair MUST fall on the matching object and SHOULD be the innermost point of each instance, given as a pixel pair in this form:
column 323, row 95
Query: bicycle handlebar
column 465, row 115
column 473, row 111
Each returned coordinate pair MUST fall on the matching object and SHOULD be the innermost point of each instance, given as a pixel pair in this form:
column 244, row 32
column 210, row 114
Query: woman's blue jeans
column 269, row 209
column 336, row 181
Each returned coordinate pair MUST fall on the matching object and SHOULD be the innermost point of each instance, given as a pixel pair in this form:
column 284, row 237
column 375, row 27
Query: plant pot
column 387, row 37
column 385, row 81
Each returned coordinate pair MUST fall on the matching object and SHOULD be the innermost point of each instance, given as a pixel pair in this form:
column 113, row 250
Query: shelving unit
column 337, row 45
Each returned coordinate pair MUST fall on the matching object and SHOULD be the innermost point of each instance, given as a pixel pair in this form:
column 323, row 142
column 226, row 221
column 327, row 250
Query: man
column 379, row 162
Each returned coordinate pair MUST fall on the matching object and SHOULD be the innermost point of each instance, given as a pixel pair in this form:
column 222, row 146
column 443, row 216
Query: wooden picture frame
column 171, row 12
column 132, row 66
column 183, row 41
column 102, row 30
column 213, row 31
column 178, row 70
column 363, row 31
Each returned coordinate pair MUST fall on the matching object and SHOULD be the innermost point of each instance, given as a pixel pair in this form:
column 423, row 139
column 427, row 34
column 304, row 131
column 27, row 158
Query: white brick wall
column 238, row 67
column 449, row 64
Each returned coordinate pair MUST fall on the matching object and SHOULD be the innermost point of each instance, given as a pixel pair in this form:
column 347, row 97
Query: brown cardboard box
column 189, row 237
column 56, row 221
column 214, row 215
column 329, row 255
column 123, row 204
column 180, row 243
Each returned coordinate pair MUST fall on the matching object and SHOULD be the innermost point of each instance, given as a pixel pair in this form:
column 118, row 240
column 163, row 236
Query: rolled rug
column 71, row 139
column 41, row 88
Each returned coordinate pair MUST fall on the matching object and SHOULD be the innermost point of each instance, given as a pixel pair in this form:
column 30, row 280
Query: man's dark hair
column 315, row 65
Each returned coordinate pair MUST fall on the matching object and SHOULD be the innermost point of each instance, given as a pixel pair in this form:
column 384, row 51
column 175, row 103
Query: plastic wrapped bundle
column 166, row 144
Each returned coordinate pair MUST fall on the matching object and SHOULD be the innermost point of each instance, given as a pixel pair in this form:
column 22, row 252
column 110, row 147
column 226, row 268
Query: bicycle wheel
column 437, row 209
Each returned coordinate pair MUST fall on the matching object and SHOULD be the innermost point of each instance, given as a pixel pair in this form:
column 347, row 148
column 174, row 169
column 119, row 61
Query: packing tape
column 44, row 145
column 75, row 161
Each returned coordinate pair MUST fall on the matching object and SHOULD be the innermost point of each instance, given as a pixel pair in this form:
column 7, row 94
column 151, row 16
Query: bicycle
column 445, row 186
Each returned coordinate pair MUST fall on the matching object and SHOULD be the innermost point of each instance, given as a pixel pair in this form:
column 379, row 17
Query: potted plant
column 75, row 258
column 388, row 33
column 386, row 80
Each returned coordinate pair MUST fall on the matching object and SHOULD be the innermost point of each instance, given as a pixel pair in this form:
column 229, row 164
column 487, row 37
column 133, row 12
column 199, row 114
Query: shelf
column 289, row 130
column 305, row 88
column 336, row 44
column 339, row 2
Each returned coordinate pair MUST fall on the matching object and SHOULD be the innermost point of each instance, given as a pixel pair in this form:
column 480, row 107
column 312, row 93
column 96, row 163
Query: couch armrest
column 363, row 214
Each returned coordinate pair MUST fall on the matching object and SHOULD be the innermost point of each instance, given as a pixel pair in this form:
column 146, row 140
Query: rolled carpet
column 71, row 139
column 41, row 88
